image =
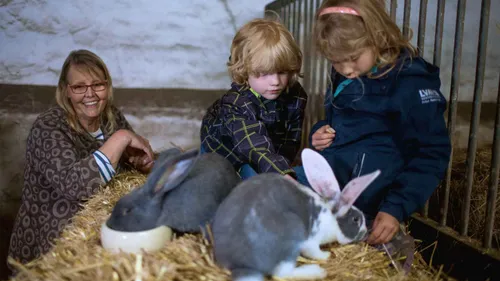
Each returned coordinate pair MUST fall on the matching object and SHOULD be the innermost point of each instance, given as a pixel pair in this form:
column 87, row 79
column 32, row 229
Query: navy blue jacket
column 394, row 123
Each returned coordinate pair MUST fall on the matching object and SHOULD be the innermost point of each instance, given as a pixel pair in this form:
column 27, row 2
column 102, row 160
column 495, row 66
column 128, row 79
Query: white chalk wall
column 170, row 44
column 146, row 43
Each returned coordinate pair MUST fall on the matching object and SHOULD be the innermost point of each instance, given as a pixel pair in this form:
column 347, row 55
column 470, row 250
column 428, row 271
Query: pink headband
column 339, row 10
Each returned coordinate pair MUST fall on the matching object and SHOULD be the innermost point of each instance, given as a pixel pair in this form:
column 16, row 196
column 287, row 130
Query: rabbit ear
column 352, row 191
column 320, row 174
column 171, row 171
column 167, row 154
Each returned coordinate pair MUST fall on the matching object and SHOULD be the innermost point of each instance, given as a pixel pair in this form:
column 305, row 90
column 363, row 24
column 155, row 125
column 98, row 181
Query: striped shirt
column 246, row 128
column 105, row 168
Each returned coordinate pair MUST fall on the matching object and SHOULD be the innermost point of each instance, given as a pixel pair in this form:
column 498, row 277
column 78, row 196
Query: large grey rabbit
column 268, row 221
column 182, row 192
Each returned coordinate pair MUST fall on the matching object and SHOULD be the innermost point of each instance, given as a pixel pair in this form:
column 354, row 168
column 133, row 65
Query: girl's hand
column 323, row 137
column 384, row 228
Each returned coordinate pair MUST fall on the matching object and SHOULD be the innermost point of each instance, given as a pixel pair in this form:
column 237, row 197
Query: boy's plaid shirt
column 247, row 129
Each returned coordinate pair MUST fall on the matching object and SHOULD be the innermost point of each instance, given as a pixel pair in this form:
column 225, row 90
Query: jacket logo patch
column 429, row 95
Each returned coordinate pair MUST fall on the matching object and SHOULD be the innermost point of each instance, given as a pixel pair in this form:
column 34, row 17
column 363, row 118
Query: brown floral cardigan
column 60, row 173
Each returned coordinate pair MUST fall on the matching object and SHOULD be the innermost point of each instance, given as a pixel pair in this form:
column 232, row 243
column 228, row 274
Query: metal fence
column 298, row 16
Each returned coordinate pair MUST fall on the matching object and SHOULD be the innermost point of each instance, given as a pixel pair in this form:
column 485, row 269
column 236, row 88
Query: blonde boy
column 257, row 124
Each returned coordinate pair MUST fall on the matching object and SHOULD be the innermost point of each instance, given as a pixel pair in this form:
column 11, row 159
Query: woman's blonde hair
column 87, row 61
column 340, row 35
column 263, row 46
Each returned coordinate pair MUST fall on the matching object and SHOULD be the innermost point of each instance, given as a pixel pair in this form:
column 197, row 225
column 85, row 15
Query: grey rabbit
column 182, row 192
column 268, row 221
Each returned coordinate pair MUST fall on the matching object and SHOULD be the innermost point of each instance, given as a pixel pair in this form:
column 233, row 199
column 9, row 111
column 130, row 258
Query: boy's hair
column 89, row 62
column 339, row 35
column 263, row 46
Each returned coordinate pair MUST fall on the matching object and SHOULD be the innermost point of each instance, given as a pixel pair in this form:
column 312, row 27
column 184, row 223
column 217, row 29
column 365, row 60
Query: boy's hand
column 323, row 137
column 384, row 228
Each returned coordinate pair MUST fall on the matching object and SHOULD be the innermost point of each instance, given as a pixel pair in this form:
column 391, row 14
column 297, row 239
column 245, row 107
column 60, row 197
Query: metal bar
column 296, row 20
column 394, row 9
column 311, row 47
column 317, row 77
column 494, row 172
column 421, row 45
column 438, row 43
column 286, row 19
column 289, row 15
column 300, row 30
column 282, row 10
column 421, row 26
column 314, row 58
column 305, row 79
column 438, row 39
column 455, row 83
column 406, row 18
column 476, row 110
column 307, row 68
column 321, row 82
column 301, row 41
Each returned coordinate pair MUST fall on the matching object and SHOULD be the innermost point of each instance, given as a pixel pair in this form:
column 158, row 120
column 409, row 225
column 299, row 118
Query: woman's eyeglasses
column 82, row 89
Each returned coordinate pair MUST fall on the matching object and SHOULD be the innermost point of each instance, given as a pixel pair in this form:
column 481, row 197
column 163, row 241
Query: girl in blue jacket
column 384, row 110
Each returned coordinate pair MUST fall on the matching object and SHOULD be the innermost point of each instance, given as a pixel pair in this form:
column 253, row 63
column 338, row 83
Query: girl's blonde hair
column 340, row 36
column 263, row 46
column 87, row 61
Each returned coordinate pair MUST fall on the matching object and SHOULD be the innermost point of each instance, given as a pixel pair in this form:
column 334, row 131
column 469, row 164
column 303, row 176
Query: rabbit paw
column 311, row 250
column 287, row 270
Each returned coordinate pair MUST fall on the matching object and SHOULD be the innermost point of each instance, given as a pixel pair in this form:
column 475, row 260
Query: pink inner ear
column 356, row 186
column 319, row 174
column 322, row 188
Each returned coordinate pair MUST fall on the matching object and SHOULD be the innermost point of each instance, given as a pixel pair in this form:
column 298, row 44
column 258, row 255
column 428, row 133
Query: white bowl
column 132, row 242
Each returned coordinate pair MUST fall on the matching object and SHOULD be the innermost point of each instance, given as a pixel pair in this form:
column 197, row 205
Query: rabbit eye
column 355, row 219
column 125, row 211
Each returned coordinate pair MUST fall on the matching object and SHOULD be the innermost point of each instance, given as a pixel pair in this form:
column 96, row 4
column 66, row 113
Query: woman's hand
column 141, row 162
column 384, row 228
column 139, row 154
column 323, row 137
column 124, row 142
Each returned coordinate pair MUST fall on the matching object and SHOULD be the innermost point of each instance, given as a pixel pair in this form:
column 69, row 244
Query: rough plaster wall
column 171, row 44
column 148, row 43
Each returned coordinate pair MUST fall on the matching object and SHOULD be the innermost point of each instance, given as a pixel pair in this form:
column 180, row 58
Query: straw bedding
column 480, row 184
column 78, row 255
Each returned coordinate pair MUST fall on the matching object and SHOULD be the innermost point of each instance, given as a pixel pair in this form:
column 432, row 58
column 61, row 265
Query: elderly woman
column 72, row 149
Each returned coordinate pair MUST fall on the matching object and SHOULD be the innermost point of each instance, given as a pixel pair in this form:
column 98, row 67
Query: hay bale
column 458, row 185
column 78, row 255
